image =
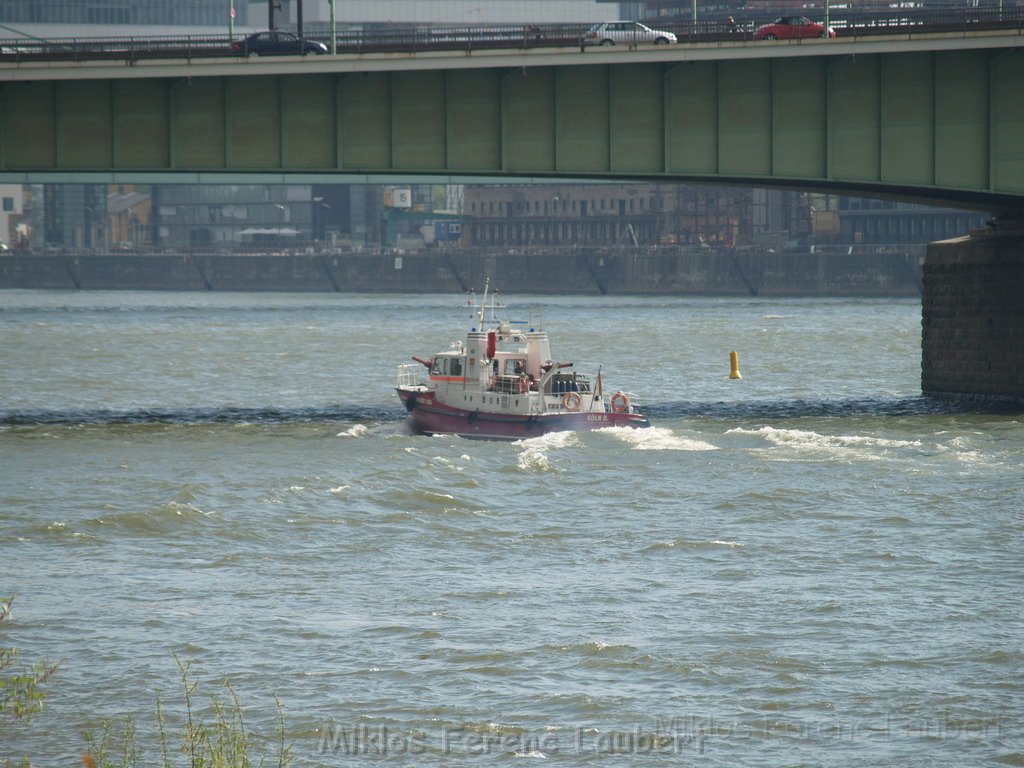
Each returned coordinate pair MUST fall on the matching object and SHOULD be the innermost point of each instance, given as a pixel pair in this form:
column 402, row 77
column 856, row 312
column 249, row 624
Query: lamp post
column 334, row 35
column 825, row 31
column 318, row 218
column 231, row 20
column 693, row 14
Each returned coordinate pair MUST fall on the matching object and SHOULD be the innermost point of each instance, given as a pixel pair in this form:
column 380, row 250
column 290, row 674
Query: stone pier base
column 972, row 342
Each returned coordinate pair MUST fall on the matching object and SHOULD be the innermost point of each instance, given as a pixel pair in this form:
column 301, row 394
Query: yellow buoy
column 734, row 366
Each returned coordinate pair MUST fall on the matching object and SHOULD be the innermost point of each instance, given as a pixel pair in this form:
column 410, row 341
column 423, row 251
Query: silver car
column 626, row 33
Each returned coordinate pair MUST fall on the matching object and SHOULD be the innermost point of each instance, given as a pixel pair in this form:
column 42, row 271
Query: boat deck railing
column 409, row 375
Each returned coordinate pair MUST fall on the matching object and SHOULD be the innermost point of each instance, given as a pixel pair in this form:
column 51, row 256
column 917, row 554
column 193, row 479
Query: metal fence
column 906, row 18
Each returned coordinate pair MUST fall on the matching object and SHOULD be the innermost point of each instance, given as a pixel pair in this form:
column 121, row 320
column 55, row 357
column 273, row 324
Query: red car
column 791, row 27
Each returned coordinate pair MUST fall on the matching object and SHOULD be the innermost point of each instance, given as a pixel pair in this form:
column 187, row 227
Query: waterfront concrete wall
column 582, row 271
column 972, row 340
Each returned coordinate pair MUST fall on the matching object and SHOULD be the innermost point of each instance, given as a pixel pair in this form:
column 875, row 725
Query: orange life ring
column 620, row 402
column 572, row 401
column 524, row 385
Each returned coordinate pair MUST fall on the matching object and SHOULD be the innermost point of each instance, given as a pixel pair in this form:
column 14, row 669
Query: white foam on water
column 658, row 439
column 807, row 437
column 964, row 450
column 434, row 496
column 861, row 446
column 356, row 430
column 692, row 543
column 339, row 490
column 534, row 453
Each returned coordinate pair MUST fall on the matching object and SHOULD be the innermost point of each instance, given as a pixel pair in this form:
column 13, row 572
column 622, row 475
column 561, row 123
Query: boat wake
column 362, row 414
column 659, row 439
column 534, row 451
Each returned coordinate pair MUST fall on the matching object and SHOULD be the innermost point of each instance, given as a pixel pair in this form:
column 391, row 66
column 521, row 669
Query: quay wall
column 567, row 271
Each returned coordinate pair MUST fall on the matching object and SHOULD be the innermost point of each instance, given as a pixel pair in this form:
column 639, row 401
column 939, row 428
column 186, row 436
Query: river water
column 812, row 565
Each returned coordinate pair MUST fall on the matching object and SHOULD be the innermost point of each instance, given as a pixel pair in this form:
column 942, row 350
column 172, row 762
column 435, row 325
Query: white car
column 626, row 33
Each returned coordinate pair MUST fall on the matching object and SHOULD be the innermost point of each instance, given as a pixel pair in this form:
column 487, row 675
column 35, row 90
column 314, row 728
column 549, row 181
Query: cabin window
column 456, row 366
column 515, row 367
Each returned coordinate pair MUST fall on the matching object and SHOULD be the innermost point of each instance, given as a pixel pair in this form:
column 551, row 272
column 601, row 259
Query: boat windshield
column 446, row 366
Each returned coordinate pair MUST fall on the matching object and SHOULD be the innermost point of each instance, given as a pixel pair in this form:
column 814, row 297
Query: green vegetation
column 214, row 736
column 20, row 692
column 217, row 738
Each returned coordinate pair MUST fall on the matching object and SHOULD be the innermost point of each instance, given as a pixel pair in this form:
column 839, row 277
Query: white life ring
column 620, row 402
column 572, row 401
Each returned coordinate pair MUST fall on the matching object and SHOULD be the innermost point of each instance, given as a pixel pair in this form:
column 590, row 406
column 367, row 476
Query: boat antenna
column 483, row 304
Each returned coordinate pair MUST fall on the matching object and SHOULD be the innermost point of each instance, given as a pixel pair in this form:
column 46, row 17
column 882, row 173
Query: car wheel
column 661, row 41
column 607, row 42
column 770, row 37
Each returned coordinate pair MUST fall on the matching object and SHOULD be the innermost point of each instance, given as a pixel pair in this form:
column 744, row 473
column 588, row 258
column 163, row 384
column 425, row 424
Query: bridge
column 924, row 116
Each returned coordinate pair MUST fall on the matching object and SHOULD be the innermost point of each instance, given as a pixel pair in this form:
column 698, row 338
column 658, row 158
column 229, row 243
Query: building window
column 8, row 204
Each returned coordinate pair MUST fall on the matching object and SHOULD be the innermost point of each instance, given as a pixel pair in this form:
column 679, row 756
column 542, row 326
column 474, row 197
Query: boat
column 502, row 383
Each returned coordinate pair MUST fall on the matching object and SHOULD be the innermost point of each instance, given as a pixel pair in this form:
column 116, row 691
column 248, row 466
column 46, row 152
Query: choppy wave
column 832, row 408
column 802, row 438
column 535, row 450
column 166, row 518
column 692, row 544
column 659, row 439
column 356, row 413
column 751, row 409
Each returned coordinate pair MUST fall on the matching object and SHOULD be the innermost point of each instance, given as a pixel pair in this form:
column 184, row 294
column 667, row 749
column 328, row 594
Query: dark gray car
column 275, row 43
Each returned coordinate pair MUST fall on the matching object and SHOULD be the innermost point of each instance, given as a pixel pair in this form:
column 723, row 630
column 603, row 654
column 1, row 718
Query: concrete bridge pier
column 972, row 342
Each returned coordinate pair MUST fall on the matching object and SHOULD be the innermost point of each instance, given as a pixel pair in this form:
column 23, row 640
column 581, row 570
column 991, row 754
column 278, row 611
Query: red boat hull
column 430, row 417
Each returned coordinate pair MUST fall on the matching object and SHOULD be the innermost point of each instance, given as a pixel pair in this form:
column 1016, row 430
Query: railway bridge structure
column 924, row 117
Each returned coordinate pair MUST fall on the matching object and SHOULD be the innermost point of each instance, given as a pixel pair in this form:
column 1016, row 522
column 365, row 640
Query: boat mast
column 483, row 304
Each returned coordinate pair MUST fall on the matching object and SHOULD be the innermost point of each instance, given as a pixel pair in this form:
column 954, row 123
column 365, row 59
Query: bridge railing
column 854, row 22
column 412, row 38
column 116, row 48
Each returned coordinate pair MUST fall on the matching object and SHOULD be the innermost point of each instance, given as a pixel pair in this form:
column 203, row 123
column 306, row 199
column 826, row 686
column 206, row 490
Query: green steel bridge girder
column 940, row 125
